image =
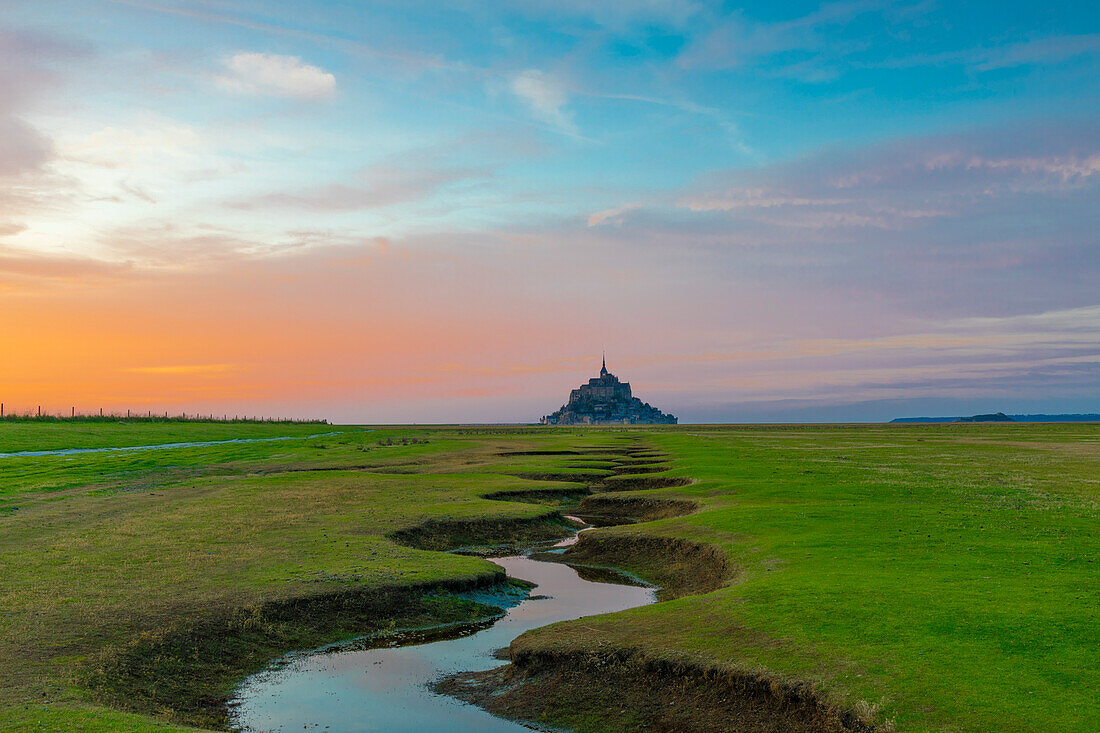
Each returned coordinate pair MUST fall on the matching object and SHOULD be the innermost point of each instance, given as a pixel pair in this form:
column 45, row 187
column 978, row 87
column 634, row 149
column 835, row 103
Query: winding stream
column 157, row 446
column 344, row 688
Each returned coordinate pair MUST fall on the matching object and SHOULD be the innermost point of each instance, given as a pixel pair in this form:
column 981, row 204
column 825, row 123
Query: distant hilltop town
column 606, row 401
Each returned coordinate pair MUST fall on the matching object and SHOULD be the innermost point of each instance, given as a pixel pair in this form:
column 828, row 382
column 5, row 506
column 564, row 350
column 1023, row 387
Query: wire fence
column 37, row 414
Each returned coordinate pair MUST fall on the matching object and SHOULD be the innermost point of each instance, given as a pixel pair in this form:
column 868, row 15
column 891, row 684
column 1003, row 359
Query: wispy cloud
column 736, row 40
column 611, row 216
column 37, row 265
column 26, row 59
column 376, row 187
column 1037, row 51
column 1007, row 54
column 897, row 184
column 616, row 16
column 153, row 142
column 274, row 75
column 22, row 148
column 546, row 96
column 348, row 45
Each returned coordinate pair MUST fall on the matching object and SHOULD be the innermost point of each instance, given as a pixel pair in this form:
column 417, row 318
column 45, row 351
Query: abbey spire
column 604, row 400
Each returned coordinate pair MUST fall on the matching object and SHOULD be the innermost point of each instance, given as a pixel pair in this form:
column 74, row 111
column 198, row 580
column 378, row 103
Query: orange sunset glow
column 235, row 211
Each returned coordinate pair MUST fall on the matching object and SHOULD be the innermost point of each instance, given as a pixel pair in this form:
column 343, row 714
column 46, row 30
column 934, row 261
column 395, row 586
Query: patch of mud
column 181, row 672
column 397, row 470
column 540, row 496
column 574, row 452
column 498, row 532
column 680, row 567
column 630, row 461
column 626, row 691
column 636, row 508
column 579, row 476
column 644, row 482
column 641, row 468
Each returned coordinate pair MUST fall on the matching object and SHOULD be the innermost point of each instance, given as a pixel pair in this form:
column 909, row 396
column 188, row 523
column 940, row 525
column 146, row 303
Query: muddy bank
column 637, row 468
column 386, row 689
column 540, row 496
column 605, row 451
column 484, row 532
column 680, row 567
column 185, row 672
column 577, row 476
column 625, row 691
column 634, row 508
column 644, row 482
column 631, row 460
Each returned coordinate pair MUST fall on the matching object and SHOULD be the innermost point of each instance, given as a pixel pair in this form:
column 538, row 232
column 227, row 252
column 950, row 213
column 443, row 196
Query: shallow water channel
column 157, row 446
column 345, row 688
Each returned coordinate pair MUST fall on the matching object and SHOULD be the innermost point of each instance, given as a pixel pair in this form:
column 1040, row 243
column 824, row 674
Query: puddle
column 345, row 688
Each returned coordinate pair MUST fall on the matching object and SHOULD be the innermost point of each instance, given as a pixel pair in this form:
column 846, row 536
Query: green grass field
column 934, row 577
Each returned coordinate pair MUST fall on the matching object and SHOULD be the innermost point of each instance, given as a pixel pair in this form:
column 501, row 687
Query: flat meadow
column 909, row 577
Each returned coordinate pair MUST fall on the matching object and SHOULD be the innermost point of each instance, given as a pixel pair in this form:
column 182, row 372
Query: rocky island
column 604, row 400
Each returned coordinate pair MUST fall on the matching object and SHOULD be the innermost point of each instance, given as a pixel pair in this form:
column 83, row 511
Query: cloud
column 1038, row 51
column 377, row 187
column 899, row 184
column 546, row 96
column 188, row 246
column 616, row 16
column 25, row 71
column 26, row 59
column 611, row 216
column 28, row 264
column 155, row 143
column 736, row 40
column 1031, row 52
column 22, row 148
column 337, row 41
column 25, row 63
column 274, row 75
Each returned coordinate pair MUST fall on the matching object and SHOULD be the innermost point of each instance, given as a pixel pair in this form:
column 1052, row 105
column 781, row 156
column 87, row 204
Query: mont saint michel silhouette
column 604, row 400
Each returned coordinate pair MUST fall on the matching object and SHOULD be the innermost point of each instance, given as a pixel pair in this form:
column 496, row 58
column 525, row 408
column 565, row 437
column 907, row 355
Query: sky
column 445, row 211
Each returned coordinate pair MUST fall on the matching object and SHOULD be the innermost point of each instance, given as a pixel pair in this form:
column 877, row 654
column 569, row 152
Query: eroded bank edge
column 578, row 689
column 186, row 671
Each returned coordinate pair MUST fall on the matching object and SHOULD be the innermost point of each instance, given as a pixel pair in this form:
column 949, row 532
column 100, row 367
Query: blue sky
column 763, row 211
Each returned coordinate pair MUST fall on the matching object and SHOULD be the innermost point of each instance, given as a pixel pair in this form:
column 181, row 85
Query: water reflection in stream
column 388, row 689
